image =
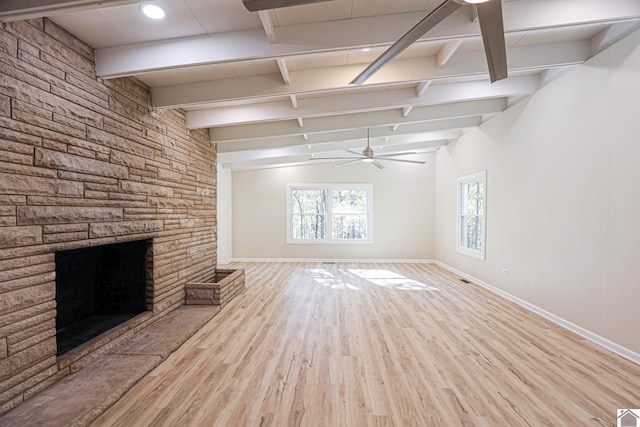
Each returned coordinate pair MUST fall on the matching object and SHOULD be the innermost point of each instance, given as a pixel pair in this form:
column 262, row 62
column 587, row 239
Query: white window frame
column 462, row 181
column 329, row 187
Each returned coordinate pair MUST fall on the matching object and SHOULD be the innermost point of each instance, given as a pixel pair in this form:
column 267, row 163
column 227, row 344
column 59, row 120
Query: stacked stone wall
column 86, row 162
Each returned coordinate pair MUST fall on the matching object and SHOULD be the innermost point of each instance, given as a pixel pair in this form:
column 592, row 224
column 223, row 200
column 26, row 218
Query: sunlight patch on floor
column 326, row 278
column 389, row 279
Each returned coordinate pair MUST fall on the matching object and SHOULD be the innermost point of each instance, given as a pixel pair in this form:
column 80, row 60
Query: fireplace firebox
column 98, row 288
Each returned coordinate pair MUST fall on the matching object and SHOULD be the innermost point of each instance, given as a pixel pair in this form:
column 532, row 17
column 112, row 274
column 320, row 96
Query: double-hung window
column 329, row 213
column 472, row 197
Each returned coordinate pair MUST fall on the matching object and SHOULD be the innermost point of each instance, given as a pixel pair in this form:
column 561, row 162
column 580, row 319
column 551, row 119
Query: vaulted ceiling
column 273, row 86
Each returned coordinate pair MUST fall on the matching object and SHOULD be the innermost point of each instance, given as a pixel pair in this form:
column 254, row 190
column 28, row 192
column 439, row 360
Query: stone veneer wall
column 85, row 162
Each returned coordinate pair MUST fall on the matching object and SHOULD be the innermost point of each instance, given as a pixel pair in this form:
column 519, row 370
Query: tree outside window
column 309, row 214
column 329, row 213
column 471, row 214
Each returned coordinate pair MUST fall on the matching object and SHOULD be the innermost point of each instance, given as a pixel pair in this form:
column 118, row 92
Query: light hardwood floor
column 317, row 344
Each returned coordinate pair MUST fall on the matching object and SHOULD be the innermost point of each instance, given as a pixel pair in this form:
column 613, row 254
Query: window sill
column 472, row 253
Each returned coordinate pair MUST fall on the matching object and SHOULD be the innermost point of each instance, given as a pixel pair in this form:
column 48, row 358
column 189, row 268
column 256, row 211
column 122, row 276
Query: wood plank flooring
column 312, row 344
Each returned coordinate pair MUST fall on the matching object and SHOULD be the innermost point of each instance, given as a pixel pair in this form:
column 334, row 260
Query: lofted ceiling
column 273, row 86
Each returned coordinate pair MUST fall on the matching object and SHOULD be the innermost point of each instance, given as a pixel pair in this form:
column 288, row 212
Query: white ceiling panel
column 121, row 25
column 223, row 15
column 314, row 12
column 421, row 49
column 97, row 28
column 179, row 22
column 319, row 60
column 385, row 7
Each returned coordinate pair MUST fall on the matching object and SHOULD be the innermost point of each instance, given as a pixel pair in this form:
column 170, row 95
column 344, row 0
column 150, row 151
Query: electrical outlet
column 505, row 271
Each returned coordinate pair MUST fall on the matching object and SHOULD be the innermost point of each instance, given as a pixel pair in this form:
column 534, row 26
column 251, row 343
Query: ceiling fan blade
column 347, row 163
column 257, row 5
column 492, row 27
column 377, row 164
column 384, row 156
column 431, row 20
column 357, row 153
column 405, row 161
column 337, row 158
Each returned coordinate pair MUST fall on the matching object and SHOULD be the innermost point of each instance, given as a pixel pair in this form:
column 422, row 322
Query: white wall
column 563, row 196
column 403, row 199
column 225, row 214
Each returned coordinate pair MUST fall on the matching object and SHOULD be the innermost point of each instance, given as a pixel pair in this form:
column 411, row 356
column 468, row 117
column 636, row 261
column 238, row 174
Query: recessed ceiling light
column 366, row 49
column 152, row 11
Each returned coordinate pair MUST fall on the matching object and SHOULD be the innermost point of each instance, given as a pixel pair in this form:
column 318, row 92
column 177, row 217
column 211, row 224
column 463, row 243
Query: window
column 329, row 213
column 472, row 195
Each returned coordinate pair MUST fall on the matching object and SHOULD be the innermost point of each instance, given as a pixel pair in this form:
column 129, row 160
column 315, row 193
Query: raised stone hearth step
column 80, row 398
column 220, row 288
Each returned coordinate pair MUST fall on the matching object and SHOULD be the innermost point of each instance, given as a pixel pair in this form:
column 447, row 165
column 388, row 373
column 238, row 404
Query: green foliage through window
column 329, row 212
column 471, row 214
column 309, row 214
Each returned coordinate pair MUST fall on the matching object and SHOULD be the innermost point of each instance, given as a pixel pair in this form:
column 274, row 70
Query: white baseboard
column 585, row 333
column 336, row 260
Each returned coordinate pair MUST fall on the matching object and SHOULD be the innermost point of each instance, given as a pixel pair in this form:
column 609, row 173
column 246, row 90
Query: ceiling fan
column 367, row 156
column 491, row 27
column 257, row 5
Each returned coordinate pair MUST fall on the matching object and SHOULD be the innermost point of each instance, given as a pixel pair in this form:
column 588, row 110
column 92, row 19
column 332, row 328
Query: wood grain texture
column 311, row 344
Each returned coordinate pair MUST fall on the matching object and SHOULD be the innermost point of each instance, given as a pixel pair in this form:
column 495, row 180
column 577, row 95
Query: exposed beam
column 611, row 35
column 300, row 122
column 414, row 69
column 409, row 132
column 354, row 121
column 406, row 110
column 301, row 159
column 120, row 61
column 359, row 101
column 399, row 143
column 422, row 86
column 447, row 51
column 265, row 163
column 294, row 101
column 266, row 18
column 284, row 70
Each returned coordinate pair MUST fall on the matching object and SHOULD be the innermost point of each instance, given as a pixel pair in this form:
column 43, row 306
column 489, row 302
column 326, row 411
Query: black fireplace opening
column 98, row 288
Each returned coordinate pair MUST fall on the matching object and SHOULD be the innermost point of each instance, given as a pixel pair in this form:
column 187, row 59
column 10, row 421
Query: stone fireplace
column 95, row 183
column 98, row 288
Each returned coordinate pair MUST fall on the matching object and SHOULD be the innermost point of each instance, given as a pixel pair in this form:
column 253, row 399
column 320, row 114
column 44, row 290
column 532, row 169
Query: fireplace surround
column 87, row 162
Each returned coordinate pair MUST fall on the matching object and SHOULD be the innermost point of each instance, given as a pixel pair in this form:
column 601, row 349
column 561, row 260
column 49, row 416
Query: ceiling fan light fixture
column 152, row 11
column 367, row 160
column 475, row 1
